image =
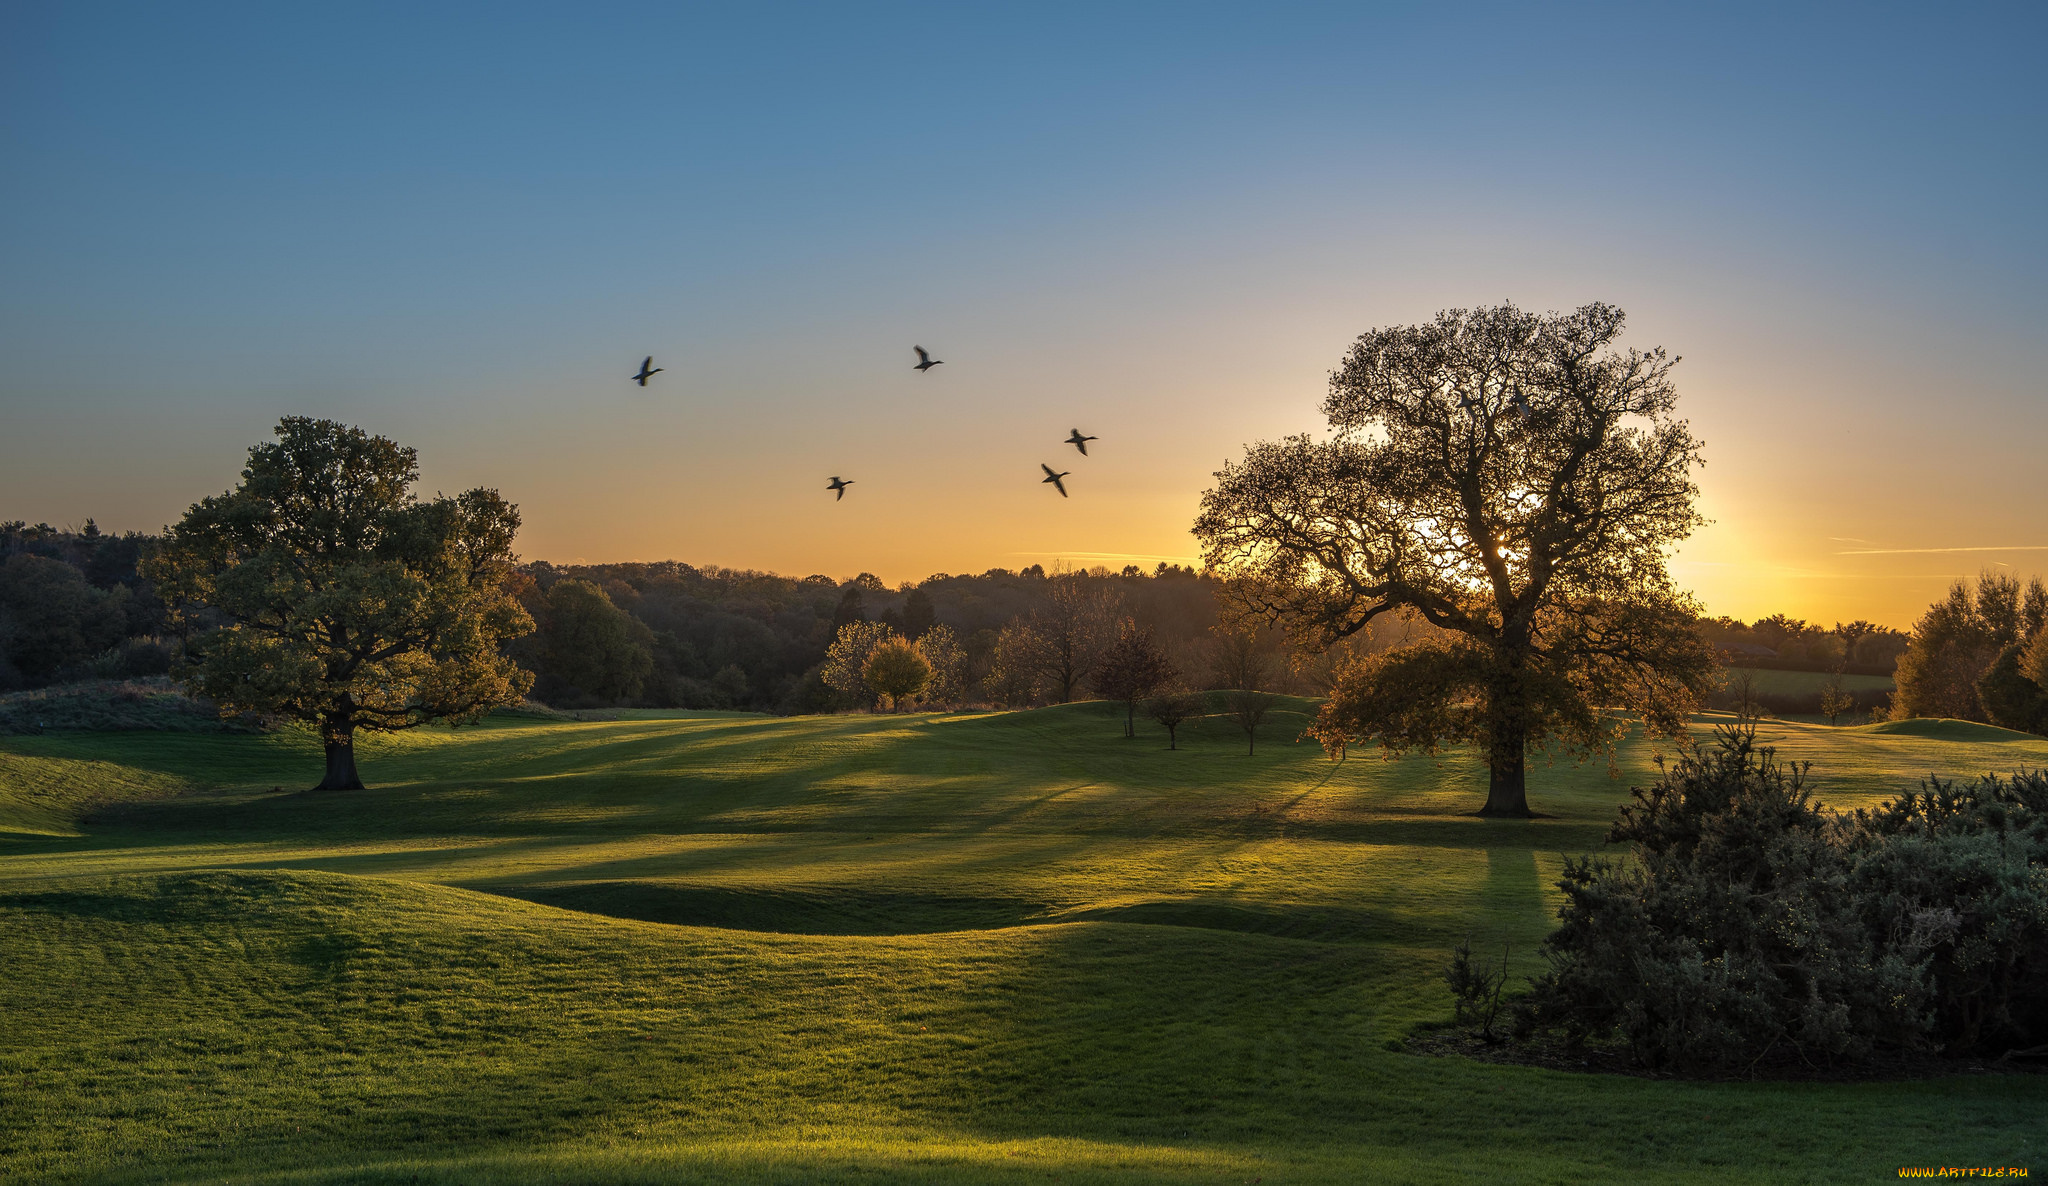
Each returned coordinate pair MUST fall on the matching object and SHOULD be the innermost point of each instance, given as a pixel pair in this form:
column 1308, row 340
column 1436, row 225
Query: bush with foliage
column 1751, row 926
column 895, row 672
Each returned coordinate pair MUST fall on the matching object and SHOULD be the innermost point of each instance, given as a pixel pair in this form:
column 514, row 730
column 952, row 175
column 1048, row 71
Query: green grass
column 972, row 947
column 1771, row 682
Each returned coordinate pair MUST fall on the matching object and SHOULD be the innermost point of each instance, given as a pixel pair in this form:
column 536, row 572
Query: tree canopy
column 1960, row 638
column 346, row 600
column 1516, row 481
column 1132, row 668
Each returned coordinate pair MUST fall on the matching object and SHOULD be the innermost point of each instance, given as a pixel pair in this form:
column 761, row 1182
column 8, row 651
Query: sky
column 462, row 226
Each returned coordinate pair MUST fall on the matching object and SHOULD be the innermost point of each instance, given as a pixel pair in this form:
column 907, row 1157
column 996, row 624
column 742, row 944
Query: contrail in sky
column 1905, row 551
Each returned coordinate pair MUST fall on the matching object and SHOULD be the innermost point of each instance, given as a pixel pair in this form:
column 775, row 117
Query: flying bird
column 838, row 487
column 1053, row 476
column 925, row 361
column 647, row 371
column 1079, row 442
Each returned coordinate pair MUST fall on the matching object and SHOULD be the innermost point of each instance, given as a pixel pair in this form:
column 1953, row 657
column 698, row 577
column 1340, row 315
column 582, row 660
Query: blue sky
column 463, row 225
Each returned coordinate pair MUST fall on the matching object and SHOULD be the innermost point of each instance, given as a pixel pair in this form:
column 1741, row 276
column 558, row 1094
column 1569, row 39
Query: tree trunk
column 1507, row 788
column 1172, row 737
column 1507, row 758
column 1251, row 742
column 338, row 736
column 1130, row 719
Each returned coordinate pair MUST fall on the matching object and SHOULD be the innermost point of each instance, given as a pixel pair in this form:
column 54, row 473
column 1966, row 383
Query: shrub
column 1476, row 987
column 1750, row 925
column 896, row 672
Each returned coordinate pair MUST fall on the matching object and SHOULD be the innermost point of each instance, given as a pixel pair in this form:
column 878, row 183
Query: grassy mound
column 944, row 948
column 152, row 703
column 1946, row 729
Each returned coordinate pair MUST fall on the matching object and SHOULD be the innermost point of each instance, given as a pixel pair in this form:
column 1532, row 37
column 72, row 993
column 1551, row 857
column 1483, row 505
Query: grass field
column 1770, row 682
column 976, row 947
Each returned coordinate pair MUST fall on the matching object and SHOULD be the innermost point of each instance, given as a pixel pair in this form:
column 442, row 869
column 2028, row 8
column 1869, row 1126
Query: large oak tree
column 342, row 599
column 1515, row 480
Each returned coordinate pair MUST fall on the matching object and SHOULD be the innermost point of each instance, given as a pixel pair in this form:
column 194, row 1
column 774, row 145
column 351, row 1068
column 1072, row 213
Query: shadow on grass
column 840, row 911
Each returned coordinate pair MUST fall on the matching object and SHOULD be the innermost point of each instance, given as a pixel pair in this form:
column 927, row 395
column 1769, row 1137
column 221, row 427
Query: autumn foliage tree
column 941, row 650
column 348, row 601
column 846, row 660
column 1131, row 668
column 896, row 672
column 1516, row 481
column 1173, row 707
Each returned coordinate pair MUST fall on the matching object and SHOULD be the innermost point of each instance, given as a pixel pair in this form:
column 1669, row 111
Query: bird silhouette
column 646, row 373
column 838, row 487
column 1522, row 405
column 1054, row 476
column 925, row 361
column 1079, row 442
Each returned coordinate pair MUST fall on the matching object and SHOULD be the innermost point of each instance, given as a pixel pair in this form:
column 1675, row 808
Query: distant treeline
column 74, row 606
column 669, row 634
column 1791, row 644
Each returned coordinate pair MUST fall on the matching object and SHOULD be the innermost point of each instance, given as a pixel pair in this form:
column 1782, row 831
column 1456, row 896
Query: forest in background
column 74, row 607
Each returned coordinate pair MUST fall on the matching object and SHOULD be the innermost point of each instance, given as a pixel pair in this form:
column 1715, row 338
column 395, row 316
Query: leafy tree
column 1016, row 666
column 1132, row 668
column 2014, row 689
column 50, row 616
column 1516, row 482
column 896, row 672
column 1173, row 708
column 942, row 652
column 1834, row 699
column 350, row 602
column 1954, row 644
column 1248, row 708
column 592, row 645
column 846, row 661
column 731, row 683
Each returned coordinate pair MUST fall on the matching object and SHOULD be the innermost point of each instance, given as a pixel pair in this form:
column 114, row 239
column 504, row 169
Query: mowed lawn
column 948, row 948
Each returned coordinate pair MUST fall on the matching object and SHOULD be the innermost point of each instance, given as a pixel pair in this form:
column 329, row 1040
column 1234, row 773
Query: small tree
column 1834, row 699
column 896, row 672
column 1132, row 668
column 1017, row 663
column 1249, row 710
column 947, row 659
column 1073, row 628
column 1235, row 660
column 1741, row 685
column 1173, row 708
column 846, row 660
column 350, row 603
